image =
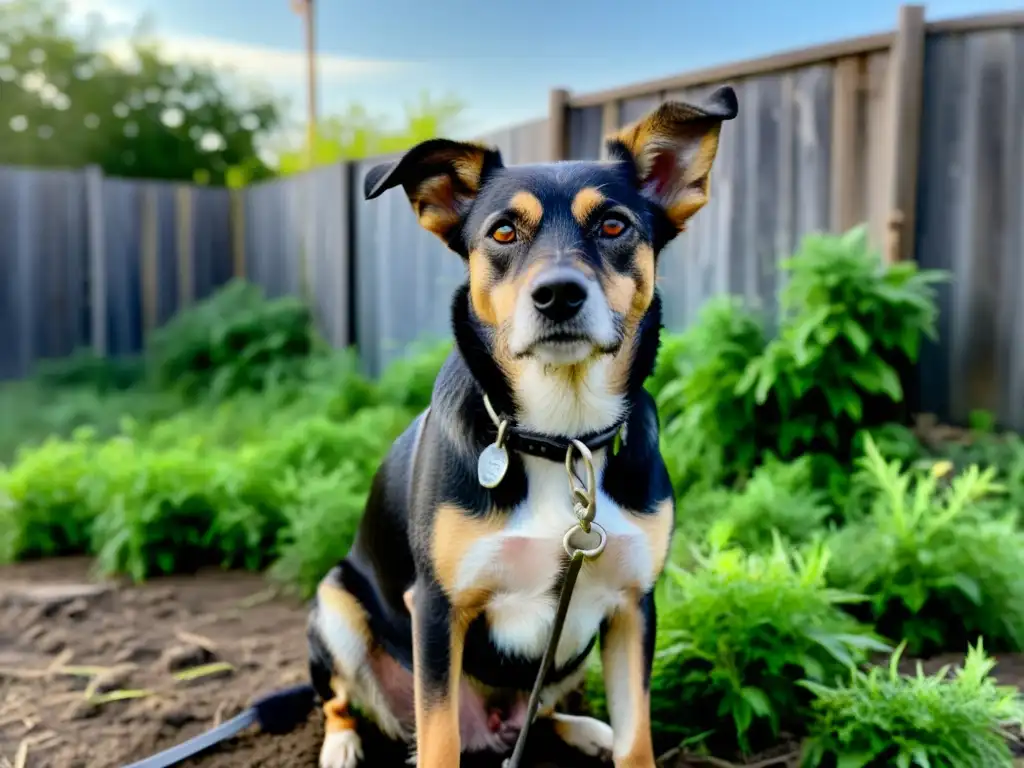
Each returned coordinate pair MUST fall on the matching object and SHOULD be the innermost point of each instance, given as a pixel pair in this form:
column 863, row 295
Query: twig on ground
column 21, row 756
column 193, row 639
column 263, row 596
column 121, row 695
column 720, row 763
column 204, row 670
column 61, row 659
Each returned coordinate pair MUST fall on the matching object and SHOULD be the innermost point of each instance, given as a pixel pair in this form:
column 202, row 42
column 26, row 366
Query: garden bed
column 56, row 622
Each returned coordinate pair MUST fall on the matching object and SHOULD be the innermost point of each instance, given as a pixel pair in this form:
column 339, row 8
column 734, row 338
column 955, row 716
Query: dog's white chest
column 525, row 562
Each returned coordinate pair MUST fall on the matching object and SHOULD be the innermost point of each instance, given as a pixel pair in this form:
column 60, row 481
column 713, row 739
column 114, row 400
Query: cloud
column 261, row 62
column 276, row 66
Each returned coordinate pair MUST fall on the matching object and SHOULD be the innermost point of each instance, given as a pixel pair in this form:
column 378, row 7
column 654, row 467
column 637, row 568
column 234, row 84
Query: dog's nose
column 559, row 295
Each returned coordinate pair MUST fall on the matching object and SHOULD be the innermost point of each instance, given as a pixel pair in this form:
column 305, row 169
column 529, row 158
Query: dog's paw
column 585, row 734
column 341, row 749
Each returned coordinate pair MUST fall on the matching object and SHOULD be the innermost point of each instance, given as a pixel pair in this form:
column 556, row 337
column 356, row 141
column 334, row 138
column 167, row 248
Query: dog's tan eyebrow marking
column 586, row 201
column 527, row 207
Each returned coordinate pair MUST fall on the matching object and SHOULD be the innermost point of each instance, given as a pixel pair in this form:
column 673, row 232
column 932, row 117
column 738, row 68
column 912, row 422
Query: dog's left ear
column 441, row 178
column 673, row 149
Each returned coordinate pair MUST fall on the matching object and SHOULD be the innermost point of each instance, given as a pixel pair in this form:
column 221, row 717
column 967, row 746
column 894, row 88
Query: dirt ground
column 64, row 636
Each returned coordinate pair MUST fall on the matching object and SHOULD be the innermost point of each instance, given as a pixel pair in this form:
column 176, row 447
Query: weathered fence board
column 971, row 221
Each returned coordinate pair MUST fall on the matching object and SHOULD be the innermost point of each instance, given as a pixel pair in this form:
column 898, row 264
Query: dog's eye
column 612, row 227
column 504, row 234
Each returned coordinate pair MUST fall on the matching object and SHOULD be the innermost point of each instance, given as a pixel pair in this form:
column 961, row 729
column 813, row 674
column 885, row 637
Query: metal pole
column 306, row 9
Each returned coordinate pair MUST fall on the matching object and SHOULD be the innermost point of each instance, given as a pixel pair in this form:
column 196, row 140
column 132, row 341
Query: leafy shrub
column 705, row 426
column 43, row 510
column 779, row 498
column 32, row 414
column 735, row 636
column 881, row 718
column 166, row 510
column 86, row 370
column 849, row 326
column 321, row 518
column 235, row 340
column 409, row 381
column 939, row 567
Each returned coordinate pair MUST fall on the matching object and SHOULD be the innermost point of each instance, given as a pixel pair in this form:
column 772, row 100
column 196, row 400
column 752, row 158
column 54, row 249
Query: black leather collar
column 555, row 448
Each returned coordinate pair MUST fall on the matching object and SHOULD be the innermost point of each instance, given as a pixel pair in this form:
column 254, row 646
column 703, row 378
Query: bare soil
column 65, row 636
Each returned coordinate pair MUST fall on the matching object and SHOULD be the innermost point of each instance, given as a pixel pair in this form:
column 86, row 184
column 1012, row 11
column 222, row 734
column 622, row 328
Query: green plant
column 409, row 381
column 736, row 634
column 233, row 341
column 779, row 498
column 880, row 718
column 43, row 506
column 939, row 566
column 321, row 519
column 85, row 369
column 850, row 325
column 704, row 424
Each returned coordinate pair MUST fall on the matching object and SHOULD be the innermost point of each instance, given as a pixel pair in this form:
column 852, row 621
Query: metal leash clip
column 586, row 538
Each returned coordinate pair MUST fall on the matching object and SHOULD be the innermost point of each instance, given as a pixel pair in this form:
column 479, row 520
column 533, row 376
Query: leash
column 276, row 713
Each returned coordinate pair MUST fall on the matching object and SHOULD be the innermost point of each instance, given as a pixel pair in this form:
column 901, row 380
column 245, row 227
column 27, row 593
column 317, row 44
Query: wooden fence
column 918, row 132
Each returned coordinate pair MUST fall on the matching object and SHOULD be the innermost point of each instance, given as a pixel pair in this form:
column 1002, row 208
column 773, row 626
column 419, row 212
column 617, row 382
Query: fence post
column 149, row 253
column 610, row 113
column 185, row 232
column 97, row 240
column 236, row 197
column 351, row 276
column 906, row 84
column 558, row 124
column 845, row 188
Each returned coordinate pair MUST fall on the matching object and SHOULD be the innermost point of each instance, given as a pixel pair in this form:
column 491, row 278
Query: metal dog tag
column 492, row 465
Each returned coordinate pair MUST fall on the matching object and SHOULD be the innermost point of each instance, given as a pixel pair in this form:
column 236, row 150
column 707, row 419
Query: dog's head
column 562, row 256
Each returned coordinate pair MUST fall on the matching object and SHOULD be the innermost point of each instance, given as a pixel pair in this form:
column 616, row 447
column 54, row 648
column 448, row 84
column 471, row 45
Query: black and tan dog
column 435, row 622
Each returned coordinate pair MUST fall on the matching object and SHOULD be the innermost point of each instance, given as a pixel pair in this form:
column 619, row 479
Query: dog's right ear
column 441, row 178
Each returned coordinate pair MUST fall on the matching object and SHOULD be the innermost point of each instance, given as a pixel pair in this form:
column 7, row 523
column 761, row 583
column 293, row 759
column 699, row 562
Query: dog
column 435, row 622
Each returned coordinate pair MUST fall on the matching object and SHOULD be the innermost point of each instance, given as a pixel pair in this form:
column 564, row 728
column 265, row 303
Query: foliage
column 85, row 369
column 72, row 99
column 268, row 459
column 881, row 718
column 738, row 632
column 34, row 412
column 356, row 134
column 235, row 340
column 705, row 425
column 849, row 326
column 41, row 506
column 940, row 568
column 779, row 499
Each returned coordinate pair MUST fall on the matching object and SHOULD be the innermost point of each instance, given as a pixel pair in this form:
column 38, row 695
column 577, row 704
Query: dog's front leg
column 627, row 652
column 439, row 631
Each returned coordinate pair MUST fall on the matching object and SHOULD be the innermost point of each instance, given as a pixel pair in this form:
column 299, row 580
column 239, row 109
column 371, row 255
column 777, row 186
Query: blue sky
column 500, row 57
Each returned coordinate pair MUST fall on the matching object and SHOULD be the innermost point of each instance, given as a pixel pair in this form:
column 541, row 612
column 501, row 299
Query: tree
column 356, row 134
column 66, row 102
